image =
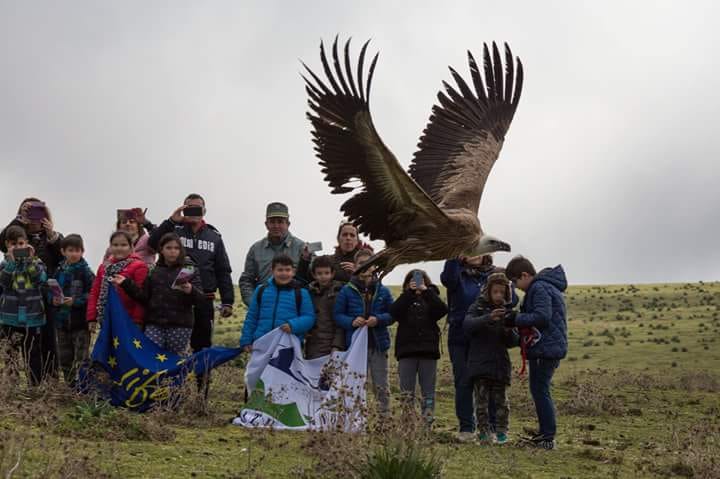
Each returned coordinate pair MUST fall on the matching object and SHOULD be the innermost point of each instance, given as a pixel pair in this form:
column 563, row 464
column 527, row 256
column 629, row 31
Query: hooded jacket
column 463, row 285
column 356, row 299
column 544, row 309
column 418, row 334
column 489, row 340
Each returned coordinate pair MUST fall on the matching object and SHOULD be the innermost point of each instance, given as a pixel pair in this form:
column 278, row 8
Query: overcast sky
column 610, row 165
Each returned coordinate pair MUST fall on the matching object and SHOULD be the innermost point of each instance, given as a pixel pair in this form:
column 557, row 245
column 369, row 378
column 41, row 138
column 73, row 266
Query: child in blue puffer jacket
column 543, row 308
column 279, row 302
column 364, row 301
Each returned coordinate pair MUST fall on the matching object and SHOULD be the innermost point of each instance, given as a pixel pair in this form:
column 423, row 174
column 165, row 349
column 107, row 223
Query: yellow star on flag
column 137, row 343
column 146, row 372
column 179, row 362
column 161, row 357
column 116, row 342
column 112, row 361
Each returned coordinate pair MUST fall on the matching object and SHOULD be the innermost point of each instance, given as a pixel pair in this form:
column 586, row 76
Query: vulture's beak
column 490, row 244
column 503, row 246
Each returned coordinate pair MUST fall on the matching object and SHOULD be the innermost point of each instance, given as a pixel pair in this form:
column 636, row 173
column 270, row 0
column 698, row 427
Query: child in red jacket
column 124, row 262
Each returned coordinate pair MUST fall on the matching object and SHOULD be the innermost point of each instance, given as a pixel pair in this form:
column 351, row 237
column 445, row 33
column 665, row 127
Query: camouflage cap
column 277, row 210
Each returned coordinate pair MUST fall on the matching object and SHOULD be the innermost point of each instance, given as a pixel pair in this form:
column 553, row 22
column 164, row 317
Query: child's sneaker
column 543, row 442
column 501, row 438
column 465, row 436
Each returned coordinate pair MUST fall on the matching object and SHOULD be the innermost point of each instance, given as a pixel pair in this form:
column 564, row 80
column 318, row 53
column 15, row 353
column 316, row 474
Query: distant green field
column 637, row 396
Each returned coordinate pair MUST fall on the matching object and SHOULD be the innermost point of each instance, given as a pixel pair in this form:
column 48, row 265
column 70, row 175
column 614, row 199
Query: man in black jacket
column 205, row 246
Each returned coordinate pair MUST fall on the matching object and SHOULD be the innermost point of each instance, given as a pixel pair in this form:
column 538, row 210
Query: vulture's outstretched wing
column 353, row 157
column 465, row 132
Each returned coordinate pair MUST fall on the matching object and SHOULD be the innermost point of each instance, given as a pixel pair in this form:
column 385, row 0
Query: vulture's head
column 490, row 244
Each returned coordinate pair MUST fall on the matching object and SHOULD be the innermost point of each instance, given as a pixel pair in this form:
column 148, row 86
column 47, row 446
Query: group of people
column 51, row 303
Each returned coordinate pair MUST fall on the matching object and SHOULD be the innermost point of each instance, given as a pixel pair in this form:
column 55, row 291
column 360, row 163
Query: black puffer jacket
column 166, row 307
column 207, row 250
column 418, row 334
column 326, row 334
column 489, row 340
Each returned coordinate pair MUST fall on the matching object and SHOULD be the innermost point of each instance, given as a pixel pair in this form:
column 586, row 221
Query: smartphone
column 21, row 253
column 315, row 246
column 36, row 212
column 418, row 278
column 124, row 215
column 194, row 211
column 184, row 276
column 55, row 289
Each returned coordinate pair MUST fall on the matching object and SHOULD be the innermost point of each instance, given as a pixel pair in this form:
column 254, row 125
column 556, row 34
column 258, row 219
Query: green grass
column 637, row 397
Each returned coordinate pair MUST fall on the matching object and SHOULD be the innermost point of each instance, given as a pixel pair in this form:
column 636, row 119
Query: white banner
column 292, row 393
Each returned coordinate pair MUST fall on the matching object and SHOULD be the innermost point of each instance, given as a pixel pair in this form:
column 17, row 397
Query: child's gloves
column 510, row 319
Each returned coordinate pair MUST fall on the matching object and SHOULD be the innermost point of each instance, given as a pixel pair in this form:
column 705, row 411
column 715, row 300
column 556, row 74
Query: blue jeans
column 464, row 405
column 541, row 373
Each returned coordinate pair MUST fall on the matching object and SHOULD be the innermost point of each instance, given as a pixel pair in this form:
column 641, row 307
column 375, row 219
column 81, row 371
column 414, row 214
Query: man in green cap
column 278, row 240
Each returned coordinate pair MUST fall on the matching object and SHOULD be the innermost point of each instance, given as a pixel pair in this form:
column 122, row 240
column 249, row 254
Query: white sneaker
column 465, row 436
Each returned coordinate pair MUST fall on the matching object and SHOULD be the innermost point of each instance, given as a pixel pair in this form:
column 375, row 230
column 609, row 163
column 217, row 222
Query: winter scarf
column 110, row 271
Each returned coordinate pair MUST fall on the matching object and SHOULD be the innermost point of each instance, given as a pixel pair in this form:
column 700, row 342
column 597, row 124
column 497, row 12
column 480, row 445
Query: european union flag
column 140, row 372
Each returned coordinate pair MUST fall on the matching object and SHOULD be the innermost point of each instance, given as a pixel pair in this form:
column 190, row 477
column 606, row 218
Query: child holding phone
column 124, row 262
column 417, row 343
column 168, row 298
column 22, row 314
column 68, row 299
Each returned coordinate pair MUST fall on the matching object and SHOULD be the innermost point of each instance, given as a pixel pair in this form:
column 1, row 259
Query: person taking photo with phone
column 139, row 227
column 34, row 217
column 204, row 245
column 22, row 312
column 417, row 343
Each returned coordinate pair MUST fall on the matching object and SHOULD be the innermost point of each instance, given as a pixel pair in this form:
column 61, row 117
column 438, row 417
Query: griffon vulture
column 429, row 213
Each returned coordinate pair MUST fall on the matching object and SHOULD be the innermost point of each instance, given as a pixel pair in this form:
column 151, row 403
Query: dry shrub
column 698, row 451
column 699, row 381
column 405, row 434
column 589, row 397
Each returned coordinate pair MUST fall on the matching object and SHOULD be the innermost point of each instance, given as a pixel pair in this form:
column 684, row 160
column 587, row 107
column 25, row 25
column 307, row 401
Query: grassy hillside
column 637, row 397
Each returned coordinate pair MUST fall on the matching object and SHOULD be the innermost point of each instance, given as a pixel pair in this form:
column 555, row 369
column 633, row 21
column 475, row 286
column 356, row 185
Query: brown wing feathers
column 351, row 153
column 465, row 132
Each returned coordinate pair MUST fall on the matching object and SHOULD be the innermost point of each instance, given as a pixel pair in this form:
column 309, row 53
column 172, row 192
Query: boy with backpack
column 543, row 308
column 279, row 301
